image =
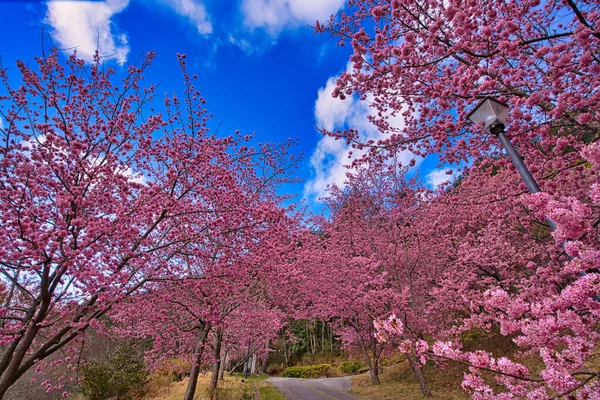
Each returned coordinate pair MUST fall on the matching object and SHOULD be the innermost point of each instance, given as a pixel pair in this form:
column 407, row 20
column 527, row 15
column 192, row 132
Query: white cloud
column 194, row 11
column 133, row 176
column 438, row 177
column 242, row 44
column 87, row 26
column 330, row 156
column 275, row 15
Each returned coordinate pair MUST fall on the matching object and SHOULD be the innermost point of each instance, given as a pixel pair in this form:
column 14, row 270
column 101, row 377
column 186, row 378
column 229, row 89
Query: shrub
column 175, row 368
column 119, row 377
column 311, row 371
column 350, row 367
column 274, row 369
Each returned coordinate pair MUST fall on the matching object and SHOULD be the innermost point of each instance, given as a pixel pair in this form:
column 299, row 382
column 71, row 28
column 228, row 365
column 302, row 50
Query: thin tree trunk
column 253, row 369
column 195, row 371
column 265, row 365
column 238, row 365
column 223, row 365
column 373, row 369
column 214, row 378
column 315, row 337
column 323, row 336
column 375, row 375
column 414, row 365
column 372, row 364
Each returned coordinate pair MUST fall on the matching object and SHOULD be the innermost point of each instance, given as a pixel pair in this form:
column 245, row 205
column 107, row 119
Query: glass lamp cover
column 490, row 111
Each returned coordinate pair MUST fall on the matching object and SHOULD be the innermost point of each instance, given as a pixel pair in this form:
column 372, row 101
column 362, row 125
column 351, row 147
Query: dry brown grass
column 232, row 388
column 399, row 382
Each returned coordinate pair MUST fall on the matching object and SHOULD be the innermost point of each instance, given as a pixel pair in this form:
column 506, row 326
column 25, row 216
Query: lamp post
column 493, row 114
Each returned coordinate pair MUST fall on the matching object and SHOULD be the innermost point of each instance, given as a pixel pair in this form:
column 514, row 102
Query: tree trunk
column 372, row 362
column 195, row 371
column 253, row 369
column 414, row 364
column 375, row 374
column 373, row 366
column 214, row 378
column 323, row 336
column 223, row 365
column 265, row 365
column 285, row 355
column 12, row 365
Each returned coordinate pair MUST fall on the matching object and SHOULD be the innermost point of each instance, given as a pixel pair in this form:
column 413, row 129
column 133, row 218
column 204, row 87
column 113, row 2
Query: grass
column 234, row 387
column 399, row 382
column 270, row 392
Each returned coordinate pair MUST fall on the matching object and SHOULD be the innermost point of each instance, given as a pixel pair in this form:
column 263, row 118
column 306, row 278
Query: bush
column 350, row 367
column 311, row 371
column 119, row 377
column 174, row 368
column 274, row 369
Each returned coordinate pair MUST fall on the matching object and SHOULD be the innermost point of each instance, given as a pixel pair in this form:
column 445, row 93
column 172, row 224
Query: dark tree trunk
column 12, row 364
column 191, row 388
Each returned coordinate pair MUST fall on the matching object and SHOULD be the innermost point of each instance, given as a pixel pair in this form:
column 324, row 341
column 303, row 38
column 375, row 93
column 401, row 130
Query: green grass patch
column 270, row 392
column 250, row 378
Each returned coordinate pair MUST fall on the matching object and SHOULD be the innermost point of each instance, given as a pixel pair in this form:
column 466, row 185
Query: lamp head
column 493, row 113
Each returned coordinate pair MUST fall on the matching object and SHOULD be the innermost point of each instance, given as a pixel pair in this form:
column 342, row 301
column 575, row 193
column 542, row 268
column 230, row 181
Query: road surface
column 314, row 389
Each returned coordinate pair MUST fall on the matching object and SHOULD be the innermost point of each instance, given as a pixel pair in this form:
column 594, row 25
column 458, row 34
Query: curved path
column 314, row 389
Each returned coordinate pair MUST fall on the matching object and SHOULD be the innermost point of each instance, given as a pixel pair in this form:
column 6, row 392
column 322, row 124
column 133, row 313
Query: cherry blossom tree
column 362, row 263
column 202, row 303
column 497, row 265
column 100, row 195
column 428, row 61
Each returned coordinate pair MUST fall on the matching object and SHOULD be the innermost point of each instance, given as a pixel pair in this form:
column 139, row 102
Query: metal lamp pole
column 493, row 114
column 498, row 130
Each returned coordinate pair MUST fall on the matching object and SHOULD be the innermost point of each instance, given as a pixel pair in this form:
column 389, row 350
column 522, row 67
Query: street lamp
column 493, row 113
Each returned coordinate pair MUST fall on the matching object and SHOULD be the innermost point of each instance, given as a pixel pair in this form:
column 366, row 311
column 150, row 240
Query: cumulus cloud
column 87, row 26
column 438, row 177
column 330, row 156
column 275, row 15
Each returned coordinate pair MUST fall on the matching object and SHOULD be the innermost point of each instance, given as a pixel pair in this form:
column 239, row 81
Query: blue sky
column 261, row 67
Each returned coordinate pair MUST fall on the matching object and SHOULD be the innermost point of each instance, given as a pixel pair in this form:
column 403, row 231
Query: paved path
column 314, row 389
